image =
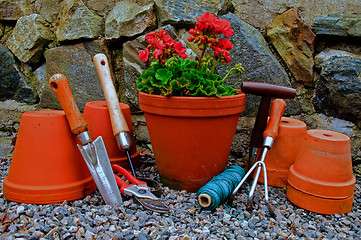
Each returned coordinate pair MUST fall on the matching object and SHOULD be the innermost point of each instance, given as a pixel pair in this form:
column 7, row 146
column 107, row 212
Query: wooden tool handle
column 260, row 124
column 60, row 86
column 116, row 116
column 269, row 90
column 278, row 107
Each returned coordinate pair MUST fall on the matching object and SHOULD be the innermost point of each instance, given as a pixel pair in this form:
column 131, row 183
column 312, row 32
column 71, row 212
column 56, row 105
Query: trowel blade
column 97, row 160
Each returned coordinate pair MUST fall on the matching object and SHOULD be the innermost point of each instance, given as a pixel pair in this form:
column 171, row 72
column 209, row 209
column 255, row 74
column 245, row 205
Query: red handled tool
column 267, row 91
column 139, row 190
column 93, row 152
column 269, row 136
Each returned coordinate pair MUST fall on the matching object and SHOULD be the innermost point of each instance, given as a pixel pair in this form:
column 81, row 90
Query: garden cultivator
column 269, row 137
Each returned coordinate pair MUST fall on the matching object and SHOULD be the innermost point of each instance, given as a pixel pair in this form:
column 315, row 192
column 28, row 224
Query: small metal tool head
column 154, row 205
column 140, row 192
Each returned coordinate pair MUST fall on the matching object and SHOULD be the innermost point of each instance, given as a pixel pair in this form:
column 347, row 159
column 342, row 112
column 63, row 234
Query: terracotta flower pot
column 96, row 114
column 284, row 151
column 321, row 179
column 47, row 166
column 191, row 136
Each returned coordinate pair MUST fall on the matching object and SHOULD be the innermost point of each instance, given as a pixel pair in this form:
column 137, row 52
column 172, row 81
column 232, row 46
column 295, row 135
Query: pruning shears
column 139, row 190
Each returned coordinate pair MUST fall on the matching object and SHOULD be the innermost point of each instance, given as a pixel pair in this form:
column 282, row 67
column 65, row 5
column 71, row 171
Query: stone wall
column 312, row 48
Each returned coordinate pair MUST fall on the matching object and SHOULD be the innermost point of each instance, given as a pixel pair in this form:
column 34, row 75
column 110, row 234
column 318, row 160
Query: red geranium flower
column 144, row 54
column 225, row 44
column 206, row 32
column 162, row 47
column 180, row 50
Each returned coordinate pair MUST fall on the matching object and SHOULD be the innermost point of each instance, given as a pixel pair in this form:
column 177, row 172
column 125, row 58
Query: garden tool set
column 119, row 125
column 114, row 180
column 94, row 153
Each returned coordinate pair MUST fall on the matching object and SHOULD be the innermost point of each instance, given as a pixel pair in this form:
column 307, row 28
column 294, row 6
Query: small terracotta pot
column 284, row 151
column 191, row 136
column 96, row 114
column 47, row 166
column 321, row 179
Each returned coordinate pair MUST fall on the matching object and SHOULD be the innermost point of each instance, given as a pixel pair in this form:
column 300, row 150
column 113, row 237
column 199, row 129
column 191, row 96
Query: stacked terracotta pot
column 315, row 166
column 321, row 179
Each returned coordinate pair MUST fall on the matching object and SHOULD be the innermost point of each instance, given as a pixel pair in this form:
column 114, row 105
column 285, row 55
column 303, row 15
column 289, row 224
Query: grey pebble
column 89, row 218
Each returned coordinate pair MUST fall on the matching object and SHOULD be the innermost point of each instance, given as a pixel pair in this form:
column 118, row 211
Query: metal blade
column 154, row 205
column 97, row 160
column 134, row 190
column 130, row 162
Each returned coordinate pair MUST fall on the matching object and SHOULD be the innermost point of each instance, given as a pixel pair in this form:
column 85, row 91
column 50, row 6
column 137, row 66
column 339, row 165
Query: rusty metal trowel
column 94, row 153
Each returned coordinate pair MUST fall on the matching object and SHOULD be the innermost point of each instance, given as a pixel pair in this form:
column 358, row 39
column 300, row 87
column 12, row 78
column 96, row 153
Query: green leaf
column 204, row 69
column 156, row 82
column 148, row 72
column 185, row 64
column 180, row 77
column 215, row 77
column 207, row 91
column 195, row 82
column 179, row 83
column 155, row 65
column 183, row 82
column 221, row 91
column 167, row 91
column 163, row 75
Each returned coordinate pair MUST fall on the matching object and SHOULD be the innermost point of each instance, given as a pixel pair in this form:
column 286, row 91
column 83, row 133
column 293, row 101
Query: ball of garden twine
column 220, row 187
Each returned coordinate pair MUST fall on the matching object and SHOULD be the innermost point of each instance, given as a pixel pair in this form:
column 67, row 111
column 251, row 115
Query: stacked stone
column 43, row 37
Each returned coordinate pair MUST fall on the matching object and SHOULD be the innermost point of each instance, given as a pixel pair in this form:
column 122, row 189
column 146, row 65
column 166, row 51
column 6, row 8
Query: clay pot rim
column 318, row 204
column 190, row 97
column 103, row 104
column 44, row 113
column 321, row 189
column 192, row 106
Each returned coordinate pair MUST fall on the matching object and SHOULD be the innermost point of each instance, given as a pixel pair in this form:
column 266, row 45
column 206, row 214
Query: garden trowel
column 94, row 153
column 119, row 125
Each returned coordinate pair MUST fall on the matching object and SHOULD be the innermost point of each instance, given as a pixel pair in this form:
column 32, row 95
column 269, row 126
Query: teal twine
column 220, row 187
column 226, row 207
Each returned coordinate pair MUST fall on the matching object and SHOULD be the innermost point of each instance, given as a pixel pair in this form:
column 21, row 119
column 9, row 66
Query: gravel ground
column 89, row 218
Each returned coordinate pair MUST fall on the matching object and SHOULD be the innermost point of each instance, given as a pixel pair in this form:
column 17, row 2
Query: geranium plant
column 171, row 73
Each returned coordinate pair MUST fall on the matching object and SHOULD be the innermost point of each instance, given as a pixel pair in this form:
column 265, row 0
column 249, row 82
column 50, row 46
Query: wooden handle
column 116, row 116
column 260, row 124
column 60, row 86
column 278, row 107
column 268, row 89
